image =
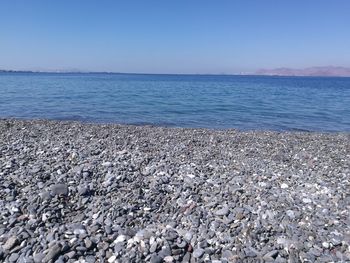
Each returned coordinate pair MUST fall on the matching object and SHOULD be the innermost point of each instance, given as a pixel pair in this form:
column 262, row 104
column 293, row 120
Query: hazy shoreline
column 314, row 72
column 75, row 191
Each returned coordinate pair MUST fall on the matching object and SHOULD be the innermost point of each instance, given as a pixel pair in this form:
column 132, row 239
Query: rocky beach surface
column 75, row 192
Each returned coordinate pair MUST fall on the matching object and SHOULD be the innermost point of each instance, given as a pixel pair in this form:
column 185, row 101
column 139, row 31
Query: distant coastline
column 327, row 71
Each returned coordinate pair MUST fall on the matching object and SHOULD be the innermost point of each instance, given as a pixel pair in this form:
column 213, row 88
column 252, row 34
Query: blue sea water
column 243, row 102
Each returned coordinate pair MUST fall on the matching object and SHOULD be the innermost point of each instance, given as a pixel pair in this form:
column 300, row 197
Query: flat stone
column 198, row 252
column 45, row 195
column 186, row 258
column 223, row 211
column 10, row 243
column 90, row 259
column 59, row 189
column 39, row 257
column 315, row 252
column 270, row 255
column 250, row 252
column 71, row 254
column 156, row 259
column 53, row 253
column 83, row 190
column 13, row 257
column 165, row 251
column 188, row 236
column 107, row 164
column 227, row 254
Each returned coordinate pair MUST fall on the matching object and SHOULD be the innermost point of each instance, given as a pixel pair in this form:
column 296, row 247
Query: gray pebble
column 39, row 257
column 223, row 211
column 52, row 253
column 156, row 259
column 198, row 252
column 10, row 243
column 13, row 257
column 59, row 189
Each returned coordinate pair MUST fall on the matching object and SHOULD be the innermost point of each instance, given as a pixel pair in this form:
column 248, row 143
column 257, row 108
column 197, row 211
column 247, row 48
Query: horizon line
column 259, row 72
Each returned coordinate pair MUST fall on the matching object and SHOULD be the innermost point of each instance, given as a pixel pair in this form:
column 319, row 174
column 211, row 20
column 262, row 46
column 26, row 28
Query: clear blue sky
column 173, row 36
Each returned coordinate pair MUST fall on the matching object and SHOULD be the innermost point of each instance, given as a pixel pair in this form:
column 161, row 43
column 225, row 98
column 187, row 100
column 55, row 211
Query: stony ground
column 72, row 192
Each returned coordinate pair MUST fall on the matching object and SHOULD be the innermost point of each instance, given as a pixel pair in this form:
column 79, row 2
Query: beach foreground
column 71, row 191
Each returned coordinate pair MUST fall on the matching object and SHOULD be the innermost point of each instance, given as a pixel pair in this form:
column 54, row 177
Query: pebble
column 120, row 238
column 186, row 258
column 168, row 259
column 198, row 252
column 52, row 253
column 223, row 211
column 156, row 259
column 307, row 200
column 227, row 254
column 325, row 244
column 39, row 257
column 71, row 254
column 59, row 189
column 112, row 259
column 13, row 257
column 290, row 214
column 153, row 247
column 188, row 236
column 10, row 243
column 107, row 164
column 284, row 186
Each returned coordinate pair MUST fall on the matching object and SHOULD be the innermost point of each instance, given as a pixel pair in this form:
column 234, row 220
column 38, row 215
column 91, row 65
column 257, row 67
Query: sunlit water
column 243, row 102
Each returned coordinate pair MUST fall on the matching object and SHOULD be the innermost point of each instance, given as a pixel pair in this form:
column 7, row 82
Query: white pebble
column 14, row 209
column 44, row 217
column 107, row 164
column 168, row 259
column 325, row 244
column 290, row 214
column 152, row 240
column 95, row 216
column 284, row 186
column 73, row 240
column 79, row 231
column 112, row 259
column 120, row 238
column 306, row 200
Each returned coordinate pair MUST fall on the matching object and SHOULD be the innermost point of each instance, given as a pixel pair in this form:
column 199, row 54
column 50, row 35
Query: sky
column 173, row 36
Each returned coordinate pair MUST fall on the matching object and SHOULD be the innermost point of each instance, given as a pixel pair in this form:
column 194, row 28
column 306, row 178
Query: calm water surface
column 243, row 102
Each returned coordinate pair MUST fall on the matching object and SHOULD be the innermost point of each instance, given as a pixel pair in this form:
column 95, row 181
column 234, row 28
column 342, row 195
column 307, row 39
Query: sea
column 194, row 101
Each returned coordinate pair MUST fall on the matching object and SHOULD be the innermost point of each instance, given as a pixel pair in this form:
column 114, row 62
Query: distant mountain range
column 313, row 71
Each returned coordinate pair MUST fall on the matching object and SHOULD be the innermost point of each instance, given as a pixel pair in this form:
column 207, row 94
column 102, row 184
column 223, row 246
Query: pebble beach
column 80, row 192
